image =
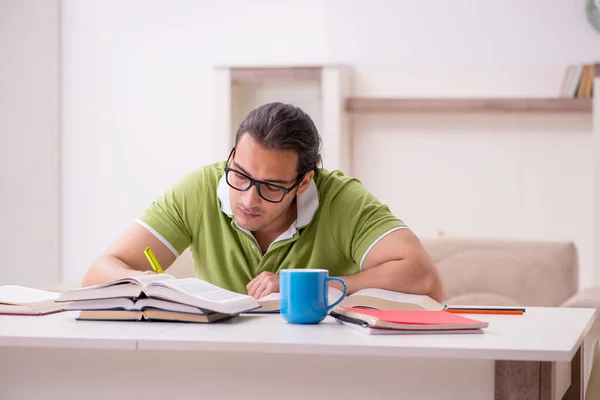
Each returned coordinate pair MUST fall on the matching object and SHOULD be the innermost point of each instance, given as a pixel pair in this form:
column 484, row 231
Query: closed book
column 411, row 319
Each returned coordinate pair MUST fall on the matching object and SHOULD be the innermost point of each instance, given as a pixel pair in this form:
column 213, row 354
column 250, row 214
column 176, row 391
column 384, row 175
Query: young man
column 267, row 207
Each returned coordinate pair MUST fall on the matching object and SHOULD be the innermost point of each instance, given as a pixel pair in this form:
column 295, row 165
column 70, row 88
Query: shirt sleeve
column 358, row 220
column 173, row 215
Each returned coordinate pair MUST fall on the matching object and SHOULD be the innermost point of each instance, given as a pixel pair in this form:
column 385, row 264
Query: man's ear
column 305, row 182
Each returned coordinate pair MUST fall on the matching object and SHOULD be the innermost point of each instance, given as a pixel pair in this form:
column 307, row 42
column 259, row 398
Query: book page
column 202, row 289
column 12, row 294
column 102, row 304
column 269, row 297
column 158, row 304
column 124, row 287
column 136, row 280
column 146, row 279
column 390, row 295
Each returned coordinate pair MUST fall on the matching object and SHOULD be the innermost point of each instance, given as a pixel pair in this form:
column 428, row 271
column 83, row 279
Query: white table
column 263, row 357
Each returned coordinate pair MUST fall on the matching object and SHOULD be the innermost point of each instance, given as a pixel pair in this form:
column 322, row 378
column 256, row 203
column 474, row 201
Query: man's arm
column 126, row 257
column 398, row 262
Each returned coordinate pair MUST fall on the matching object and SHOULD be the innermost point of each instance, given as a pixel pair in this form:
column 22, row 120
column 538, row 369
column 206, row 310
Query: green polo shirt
column 338, row 222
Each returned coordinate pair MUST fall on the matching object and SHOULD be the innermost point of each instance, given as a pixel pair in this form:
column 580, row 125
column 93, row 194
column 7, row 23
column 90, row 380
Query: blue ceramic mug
column 303, row 295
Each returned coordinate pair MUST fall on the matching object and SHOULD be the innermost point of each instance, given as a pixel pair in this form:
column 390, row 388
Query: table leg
column 512, row 380
column 547, row 380
column 575, row 391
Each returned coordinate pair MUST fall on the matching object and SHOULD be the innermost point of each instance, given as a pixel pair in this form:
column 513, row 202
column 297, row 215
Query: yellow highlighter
column 153, row 261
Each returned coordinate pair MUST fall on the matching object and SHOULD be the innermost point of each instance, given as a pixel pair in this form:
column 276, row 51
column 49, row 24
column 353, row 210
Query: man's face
column 279, row 167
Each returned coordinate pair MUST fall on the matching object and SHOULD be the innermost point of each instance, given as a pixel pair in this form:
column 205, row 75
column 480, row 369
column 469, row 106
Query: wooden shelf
column 494, row 105
column 273, row 74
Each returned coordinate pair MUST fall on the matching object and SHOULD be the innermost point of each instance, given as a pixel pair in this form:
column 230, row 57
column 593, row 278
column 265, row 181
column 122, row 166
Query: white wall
column 138, row 113
column 29, row 142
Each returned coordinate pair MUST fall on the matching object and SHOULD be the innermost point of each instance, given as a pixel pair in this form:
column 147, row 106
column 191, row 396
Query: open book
column 21, row 300
column 368, row 298
column 186, row 291
column 132, row 304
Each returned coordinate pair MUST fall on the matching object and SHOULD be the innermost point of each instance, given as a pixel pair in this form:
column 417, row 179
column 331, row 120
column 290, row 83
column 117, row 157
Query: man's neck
column 266, row 236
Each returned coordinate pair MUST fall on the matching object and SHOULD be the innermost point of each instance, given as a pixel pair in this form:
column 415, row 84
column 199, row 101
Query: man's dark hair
column 284, row 127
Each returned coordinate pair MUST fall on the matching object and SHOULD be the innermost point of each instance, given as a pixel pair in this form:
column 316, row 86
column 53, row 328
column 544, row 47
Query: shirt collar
column 307, row 202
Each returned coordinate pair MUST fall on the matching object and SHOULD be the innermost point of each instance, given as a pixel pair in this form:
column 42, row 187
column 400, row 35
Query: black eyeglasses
column 267, row 191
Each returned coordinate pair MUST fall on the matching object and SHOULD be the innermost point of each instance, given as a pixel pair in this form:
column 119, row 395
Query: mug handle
column 342, row 297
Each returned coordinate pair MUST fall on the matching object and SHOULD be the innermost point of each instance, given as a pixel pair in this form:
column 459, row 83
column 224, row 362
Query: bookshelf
column 453, row 105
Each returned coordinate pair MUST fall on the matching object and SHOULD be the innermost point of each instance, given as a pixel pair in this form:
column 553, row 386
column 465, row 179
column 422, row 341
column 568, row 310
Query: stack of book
column 160, row 297
column 395, row 322
column 578, row 81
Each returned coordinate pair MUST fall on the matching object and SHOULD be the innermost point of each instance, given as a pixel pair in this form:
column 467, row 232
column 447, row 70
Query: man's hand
column 263, row 285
